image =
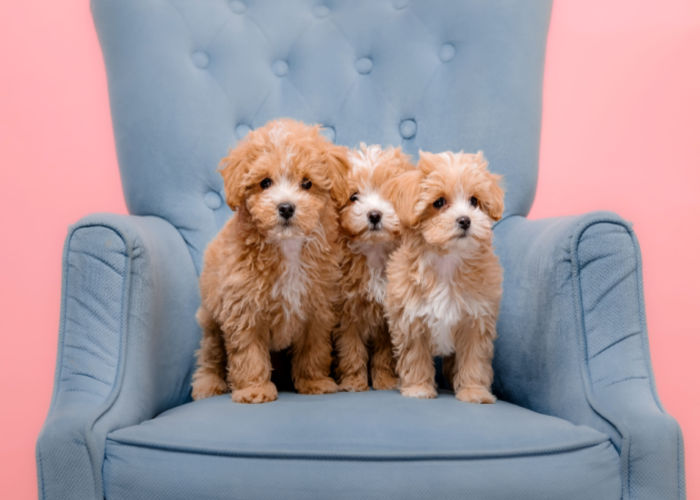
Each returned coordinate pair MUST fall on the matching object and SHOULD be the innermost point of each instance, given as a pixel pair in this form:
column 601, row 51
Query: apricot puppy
column 270, row 276
column 369, row 233
column 444, row 280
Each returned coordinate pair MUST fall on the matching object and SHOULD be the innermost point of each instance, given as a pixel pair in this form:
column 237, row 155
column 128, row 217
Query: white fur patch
column 292, row 283
column 365, row 158
column 441, row 313
column 376, row 285
column 457, row 160
column 371, row 200
column 446, row 304
column 278, row 134
column 448, row 157
column 283, row 192
column 289, row 155
column 376, row 255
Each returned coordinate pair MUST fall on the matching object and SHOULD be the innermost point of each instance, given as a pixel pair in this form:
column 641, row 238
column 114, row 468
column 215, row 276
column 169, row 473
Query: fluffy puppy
column 270, row 276
column 444, row 281
column 369, row 233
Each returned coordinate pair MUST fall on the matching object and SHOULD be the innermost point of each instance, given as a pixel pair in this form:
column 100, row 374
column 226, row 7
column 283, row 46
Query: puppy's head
column 452, row 200
column 283, row 176
column 368, row 215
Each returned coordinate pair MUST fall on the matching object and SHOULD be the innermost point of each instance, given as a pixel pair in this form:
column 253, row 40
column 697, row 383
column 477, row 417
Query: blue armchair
column 578, row 416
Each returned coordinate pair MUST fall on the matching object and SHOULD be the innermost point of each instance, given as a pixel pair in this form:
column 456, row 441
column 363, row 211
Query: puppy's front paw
column 262, row 393
column 422, row 391
column 353, row 384
column 384, row 381
column 475, row 394
column 206, row 385
column 325, row 385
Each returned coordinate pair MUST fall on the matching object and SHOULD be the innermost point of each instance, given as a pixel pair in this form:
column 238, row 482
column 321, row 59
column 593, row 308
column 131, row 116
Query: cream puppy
column 444, row 281
column 369, row 233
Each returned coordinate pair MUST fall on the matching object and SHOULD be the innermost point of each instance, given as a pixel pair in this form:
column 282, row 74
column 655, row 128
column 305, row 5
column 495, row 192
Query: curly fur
column 270, row 283
column 444, row 281
column 362, row 337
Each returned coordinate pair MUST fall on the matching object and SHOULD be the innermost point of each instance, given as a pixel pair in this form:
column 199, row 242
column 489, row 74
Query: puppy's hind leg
column 209, row 379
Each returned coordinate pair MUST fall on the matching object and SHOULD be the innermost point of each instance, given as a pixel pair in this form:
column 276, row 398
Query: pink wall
column 621, row 131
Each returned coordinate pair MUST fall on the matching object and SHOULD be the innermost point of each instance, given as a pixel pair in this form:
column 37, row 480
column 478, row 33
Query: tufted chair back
column 189, row 78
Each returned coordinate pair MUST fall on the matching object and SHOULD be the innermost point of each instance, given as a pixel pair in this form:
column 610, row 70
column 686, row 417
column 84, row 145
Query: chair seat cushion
column 375, row 444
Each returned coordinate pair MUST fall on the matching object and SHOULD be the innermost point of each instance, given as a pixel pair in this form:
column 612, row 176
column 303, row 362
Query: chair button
column 242, row 130
column 213, row 200
column 280, row 67
column 363, row 65
column 447, row 52
column 408, row 128
column 328, row 132
column 400, row 4
column 200, row 59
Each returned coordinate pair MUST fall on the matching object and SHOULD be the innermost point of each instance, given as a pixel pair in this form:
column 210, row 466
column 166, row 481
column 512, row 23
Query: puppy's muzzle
column 286, row 210
column 375, row 220
column 464, row 223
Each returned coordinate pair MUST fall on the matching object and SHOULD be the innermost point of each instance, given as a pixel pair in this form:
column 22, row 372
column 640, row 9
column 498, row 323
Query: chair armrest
column 126, row 343
column 573, row 341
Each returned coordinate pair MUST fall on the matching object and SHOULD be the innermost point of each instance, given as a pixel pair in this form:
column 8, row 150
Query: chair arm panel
column 126, row 342
column 573, row 341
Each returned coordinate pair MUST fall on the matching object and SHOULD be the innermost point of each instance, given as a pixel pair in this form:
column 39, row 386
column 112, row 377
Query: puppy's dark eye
column 439, row 203
column 305, row 183
column 266, row 183
column 473, row 201
column 353, row 198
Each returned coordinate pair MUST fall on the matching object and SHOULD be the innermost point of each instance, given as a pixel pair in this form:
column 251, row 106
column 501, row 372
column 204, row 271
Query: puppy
column 369, row 233
column 270, row 276
column 444, row 280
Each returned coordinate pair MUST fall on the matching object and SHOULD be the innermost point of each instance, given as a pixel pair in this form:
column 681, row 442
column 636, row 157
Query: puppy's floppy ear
column 404, row 192
column 492, row 197
column 233, row 168
column 494, row 200
column 337, row 172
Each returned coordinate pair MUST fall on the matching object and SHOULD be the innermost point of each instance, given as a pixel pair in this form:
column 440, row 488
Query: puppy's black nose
column 374, row 217
column 464, row 222
column 286, row 210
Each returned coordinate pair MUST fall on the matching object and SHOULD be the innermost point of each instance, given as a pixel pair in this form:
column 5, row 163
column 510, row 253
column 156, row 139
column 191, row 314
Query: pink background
column 621, row 131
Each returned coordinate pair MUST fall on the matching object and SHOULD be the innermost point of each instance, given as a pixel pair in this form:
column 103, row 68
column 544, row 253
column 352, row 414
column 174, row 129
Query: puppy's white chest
column 292, row 283
column 442, row 309
column 376, row 256
column 376, row 286
column 441, row 312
